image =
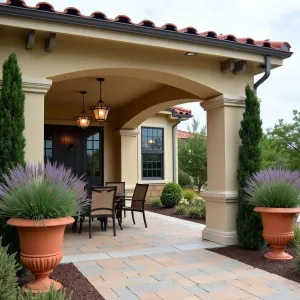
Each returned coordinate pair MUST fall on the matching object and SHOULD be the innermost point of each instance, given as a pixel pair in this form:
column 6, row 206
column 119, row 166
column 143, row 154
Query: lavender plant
column 40, row 192
column 274, row 188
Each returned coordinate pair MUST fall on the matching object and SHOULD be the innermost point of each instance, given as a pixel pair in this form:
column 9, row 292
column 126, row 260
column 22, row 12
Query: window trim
column 154, row 152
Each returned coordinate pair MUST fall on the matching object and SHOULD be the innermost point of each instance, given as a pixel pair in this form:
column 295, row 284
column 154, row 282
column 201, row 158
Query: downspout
column 266, row 75
column 174, row 150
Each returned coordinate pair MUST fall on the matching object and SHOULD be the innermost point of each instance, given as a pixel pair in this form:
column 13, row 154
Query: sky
column 276, row 20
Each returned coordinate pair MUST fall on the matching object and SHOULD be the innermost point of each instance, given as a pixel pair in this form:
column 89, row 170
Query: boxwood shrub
column 171, row 194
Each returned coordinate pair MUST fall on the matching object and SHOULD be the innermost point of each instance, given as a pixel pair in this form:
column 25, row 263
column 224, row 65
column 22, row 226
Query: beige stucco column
column 129, row 157
column 224, row 115
column 35, row 90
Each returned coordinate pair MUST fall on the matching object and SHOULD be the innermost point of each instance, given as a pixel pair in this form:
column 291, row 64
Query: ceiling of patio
column 116, row 91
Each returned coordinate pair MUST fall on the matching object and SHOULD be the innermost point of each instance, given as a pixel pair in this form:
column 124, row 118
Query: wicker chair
column 138, row 201
column 120, row 190
column 102, row 206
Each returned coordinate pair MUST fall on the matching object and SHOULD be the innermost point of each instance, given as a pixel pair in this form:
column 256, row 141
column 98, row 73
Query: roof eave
column 130, row 28
column 178, row 116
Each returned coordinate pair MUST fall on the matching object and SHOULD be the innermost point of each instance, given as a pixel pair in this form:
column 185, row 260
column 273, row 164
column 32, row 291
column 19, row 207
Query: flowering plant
column 40, row 192
column 276, row 188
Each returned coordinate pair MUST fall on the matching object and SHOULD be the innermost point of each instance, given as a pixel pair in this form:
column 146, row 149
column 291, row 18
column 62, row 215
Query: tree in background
column 271, row 156
column 12, row 141
column 249, row 223
column 286, row 141
column 192, row 154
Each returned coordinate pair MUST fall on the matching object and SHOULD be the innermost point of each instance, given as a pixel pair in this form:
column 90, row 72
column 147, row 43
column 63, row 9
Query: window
column 48, row 149
column 93, row 154
column 152, row 153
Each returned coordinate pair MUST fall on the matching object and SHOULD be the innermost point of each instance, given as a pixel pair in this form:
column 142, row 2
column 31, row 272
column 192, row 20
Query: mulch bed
column 257, row 260
column 171, row 212
column 72, row 280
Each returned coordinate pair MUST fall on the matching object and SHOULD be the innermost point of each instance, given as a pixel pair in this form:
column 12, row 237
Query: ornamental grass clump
column 39, row 192
column 274, row 188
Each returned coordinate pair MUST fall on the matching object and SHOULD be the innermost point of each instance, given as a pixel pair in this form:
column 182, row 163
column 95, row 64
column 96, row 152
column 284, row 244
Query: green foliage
column 192, row 155
column 39, row 201
column 271, row 156
column 184, row 179
column 12, row 141
column 297, row 259
column 155, row 202
column 296, row 240
column 286, row 141
column 171, row 194
column 180, row 209
column 51, row 295
column 193, row 212
column 8, row 278
column 189, row 195
column 275, row 194
column 249, row 223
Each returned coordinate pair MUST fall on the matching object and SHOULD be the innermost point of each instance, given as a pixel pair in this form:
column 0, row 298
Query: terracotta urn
column 41, row 249
column 278, row 230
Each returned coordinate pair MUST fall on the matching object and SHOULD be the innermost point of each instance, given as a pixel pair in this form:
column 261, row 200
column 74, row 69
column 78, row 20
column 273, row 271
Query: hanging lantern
column 100, row 109
column 83, row 120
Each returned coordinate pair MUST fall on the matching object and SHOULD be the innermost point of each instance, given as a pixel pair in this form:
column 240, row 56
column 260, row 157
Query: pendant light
column 83, row 120
column 100, row 109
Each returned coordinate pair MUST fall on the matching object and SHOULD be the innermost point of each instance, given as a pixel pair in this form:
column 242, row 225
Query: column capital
column 128, row 132
column 223, row 100
column 34, row 85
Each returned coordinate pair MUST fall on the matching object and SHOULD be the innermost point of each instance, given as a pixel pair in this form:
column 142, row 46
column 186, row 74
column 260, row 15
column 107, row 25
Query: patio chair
column 120, row 190
column 138, row 201
column 102, row 206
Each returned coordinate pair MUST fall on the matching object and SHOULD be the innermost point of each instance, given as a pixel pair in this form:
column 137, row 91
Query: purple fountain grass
column 274, row 188
column 51, row 188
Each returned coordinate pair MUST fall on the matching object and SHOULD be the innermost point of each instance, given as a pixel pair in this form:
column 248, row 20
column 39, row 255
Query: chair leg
column 74, row 225
column 114, row 224
column 144, row 216
column 80, row 224
column 120, row 221
column 124, row 204
column 90, row 227
column 133, row 217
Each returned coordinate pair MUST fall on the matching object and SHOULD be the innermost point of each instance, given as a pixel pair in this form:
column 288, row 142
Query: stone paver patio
column 167, row 260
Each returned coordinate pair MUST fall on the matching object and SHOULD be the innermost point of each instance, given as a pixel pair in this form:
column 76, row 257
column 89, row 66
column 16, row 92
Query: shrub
column 51, row 295
column 189, row 195
column 248, row 223
column 184, row 179
column 36, row 192
column 12, row 141
column 8, row 278
column 296, row 240
column 171, row 194
column 155, row 202
column 180, row 209
column 274, row 188
column 193, row 212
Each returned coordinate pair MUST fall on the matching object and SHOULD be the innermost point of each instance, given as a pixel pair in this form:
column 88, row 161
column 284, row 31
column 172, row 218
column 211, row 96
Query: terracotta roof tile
column 182, row 111
column 44, row 6
column 183, row 134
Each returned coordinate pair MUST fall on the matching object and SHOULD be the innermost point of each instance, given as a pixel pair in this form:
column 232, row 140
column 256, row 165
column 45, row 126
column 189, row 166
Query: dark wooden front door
column 79, row 149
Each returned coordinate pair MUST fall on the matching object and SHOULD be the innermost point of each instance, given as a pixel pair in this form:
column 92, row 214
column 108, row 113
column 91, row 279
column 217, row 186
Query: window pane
column 149, row 132
column 96, row 145
column 48, row 143
column 96, row 136
column 48, row 153
column 159, row 132
column 144, row 132
column 89, row 153
column 155, row 132
column 89, row 145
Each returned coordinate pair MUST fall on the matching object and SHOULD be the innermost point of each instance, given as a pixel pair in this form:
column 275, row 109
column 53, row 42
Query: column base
column 220, row 237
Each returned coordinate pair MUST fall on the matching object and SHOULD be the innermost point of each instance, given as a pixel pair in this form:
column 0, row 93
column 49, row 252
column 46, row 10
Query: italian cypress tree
column 249, row 223
column 12, row 141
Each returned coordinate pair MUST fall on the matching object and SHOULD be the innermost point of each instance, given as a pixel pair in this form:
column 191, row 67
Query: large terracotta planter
column 41, row 249
column 278, row 230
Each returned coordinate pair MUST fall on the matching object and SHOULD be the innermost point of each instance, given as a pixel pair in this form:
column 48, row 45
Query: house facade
column 146, row 70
